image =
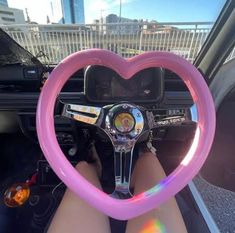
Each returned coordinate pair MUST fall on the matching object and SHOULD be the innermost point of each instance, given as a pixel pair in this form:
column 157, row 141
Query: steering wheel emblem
column 124, row 122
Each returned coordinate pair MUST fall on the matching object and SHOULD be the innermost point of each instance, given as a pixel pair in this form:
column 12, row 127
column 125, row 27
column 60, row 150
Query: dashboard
column 102, row 84
column 20, row 87
column 152, row 88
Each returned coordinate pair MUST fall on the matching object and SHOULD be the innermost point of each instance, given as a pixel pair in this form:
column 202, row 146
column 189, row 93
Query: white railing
column 51, row 43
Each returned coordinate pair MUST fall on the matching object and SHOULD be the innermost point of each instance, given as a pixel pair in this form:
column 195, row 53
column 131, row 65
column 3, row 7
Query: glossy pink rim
column 168, row 187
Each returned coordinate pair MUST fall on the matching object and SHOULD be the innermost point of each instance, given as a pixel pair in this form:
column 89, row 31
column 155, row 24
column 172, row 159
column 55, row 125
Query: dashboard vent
column 173, row 82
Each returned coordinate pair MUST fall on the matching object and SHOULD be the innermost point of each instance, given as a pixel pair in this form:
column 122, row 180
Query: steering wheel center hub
column 124, row 121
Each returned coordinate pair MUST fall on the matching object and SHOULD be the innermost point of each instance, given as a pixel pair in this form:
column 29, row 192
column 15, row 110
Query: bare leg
column 147, row 173
column 75, row 215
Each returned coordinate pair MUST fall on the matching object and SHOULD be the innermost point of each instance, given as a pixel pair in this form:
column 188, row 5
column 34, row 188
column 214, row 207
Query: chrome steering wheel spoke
column 82, row 113
column 171, row 117
column 122, row 170
column 124, row 123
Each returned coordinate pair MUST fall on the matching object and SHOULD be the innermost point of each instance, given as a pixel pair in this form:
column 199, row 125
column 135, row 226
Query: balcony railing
column 52, row 43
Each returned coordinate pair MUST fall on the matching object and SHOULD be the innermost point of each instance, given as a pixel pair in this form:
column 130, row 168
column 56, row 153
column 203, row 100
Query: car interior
column 156, row 89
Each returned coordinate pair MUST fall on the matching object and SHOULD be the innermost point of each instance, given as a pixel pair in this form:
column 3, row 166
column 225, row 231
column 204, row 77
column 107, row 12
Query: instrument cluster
column 102, row 84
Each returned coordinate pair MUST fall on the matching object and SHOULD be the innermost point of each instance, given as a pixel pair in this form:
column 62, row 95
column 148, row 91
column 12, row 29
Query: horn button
column 124, row 122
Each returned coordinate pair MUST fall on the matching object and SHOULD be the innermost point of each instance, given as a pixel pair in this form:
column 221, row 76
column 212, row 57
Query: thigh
column 75, row 215
column 167, row 217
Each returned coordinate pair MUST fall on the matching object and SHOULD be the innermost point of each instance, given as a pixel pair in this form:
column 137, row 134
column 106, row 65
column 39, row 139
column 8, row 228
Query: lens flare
column 153, row 226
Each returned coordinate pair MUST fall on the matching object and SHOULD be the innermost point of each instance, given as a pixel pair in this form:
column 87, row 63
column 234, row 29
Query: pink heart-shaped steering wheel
column 169, row 186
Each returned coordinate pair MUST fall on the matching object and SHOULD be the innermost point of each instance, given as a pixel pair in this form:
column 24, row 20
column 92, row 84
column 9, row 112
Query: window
column 8, row 19
column 6, row 12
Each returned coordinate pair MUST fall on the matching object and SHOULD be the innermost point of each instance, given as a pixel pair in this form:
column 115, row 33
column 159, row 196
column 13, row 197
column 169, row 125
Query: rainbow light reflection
column 153, row 226
column 165, row 181
column 151, row 191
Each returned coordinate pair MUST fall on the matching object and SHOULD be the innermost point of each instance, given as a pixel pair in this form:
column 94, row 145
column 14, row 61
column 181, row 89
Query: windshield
column 53, row 29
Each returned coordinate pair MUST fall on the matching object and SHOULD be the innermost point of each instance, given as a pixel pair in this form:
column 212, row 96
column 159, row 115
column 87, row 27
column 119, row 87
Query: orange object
column 16, row 195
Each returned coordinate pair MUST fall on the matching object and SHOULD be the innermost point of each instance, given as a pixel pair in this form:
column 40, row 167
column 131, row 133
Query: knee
column 88, row 171
column 148, row 157
column 83, row 166
column 149, row 162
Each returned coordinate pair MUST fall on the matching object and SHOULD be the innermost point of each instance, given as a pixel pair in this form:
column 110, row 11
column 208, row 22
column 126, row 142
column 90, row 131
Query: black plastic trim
column 28, row 101
column 218, row 44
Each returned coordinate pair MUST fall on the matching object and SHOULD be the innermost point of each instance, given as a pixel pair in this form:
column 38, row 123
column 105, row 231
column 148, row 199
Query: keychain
column 149, row 143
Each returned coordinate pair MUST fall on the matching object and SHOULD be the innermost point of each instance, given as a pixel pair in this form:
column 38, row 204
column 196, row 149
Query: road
column 220, row 203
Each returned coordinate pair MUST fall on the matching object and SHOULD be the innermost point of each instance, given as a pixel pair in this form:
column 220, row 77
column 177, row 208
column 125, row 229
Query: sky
column 159, row 10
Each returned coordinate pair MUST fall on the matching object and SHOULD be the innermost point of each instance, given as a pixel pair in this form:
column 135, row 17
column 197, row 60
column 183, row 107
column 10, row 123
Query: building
column 96, row 25
column 120, row 25
column 11, row 15
column 72, row 11
column 3, row 2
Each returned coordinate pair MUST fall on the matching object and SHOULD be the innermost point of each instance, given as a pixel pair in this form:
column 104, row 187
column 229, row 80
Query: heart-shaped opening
column 103, row 85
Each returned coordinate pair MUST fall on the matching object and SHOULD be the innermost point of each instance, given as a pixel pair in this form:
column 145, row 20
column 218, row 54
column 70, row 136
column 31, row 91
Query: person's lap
column 147, row 173
column 75, row 215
